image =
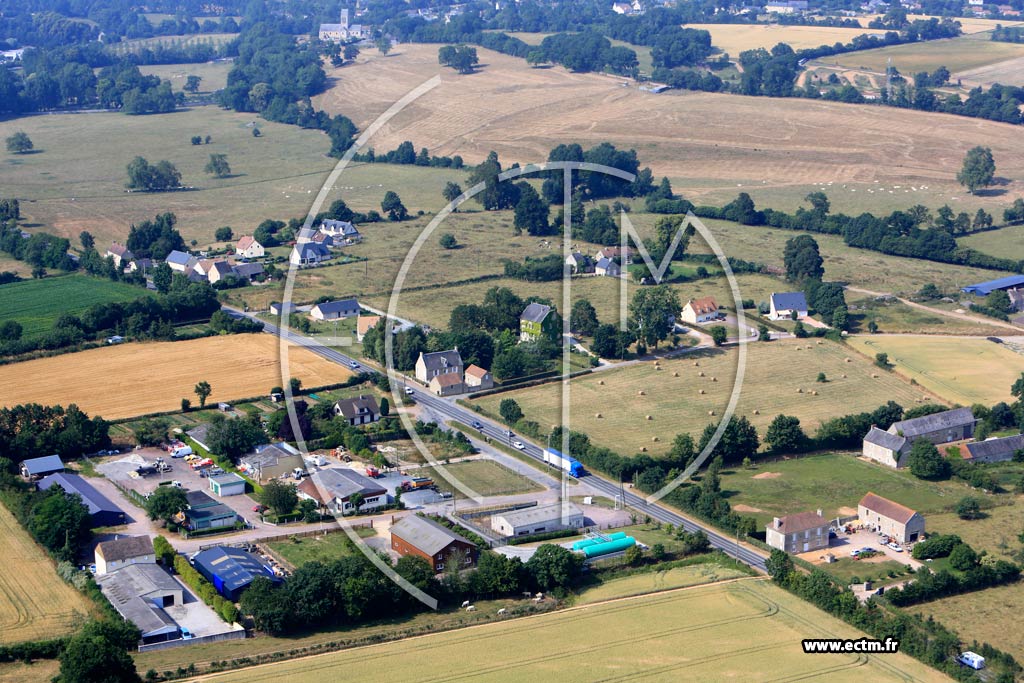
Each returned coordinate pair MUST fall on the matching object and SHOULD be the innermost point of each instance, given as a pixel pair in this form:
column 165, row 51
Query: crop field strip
column 728, row 634
column 34, row 602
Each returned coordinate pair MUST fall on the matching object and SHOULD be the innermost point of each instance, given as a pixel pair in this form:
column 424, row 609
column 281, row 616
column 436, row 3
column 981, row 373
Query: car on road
column 353, row 364
column 408, row 391
column 477, row 424
column 509, row 433
column 520, row 445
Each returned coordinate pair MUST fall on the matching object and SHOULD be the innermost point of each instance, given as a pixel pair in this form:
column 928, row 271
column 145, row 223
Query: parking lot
column 844, row 544
column 198, row 617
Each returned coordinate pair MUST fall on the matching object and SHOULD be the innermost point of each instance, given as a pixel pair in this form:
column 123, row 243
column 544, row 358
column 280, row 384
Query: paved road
column 494, row 431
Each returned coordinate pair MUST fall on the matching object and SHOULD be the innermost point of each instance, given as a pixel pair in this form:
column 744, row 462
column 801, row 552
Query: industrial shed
column 139, row 593
column 102, row 511
column 231, row 570
column 538, row 520
column 227, row 484
column 41, row 467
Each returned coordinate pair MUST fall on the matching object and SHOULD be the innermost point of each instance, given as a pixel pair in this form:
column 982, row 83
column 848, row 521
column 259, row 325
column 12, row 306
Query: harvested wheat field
column 708, row 144
column 735, row 38
column 34, row 603
column 137, row 379
column 746, row 630
column 645, row 406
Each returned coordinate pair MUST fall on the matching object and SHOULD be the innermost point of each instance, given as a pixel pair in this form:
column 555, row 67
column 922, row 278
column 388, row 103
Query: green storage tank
column 580, row 545
column 609, row 547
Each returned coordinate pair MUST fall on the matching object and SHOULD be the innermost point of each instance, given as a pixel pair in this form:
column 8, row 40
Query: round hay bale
column 849, row 360
column 711, row 412
column 649, row 417
column 657, row 361
column 756, row 411
column 700, row 374
column 700, row 391
column 714, row 379
column 874, row 375
column 799, row 390
column 696, row 364
column 844, row 375
column 643, row 449
column 597, row 415
column 675, row 374
column 814, row 393
column 641, row 393
column 658, row 368
column 601, row 382
column 819, row 342
column 655, row 439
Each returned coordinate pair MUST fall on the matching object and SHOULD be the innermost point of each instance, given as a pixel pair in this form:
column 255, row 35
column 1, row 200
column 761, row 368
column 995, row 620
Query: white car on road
column 520, row 445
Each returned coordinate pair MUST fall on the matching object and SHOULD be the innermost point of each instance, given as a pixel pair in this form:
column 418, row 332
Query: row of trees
column 32, row 431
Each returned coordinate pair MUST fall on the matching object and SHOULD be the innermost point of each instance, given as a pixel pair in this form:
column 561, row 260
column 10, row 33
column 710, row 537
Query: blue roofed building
column 986, row 288
column 102, row 511
column 784, row 304
column 231, row 570
column 41, row 467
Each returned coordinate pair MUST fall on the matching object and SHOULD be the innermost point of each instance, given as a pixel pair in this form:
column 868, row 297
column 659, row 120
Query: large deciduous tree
column 978, row 170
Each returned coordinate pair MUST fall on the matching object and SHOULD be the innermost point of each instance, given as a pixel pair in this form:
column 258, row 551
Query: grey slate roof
column 45, row 464
column 439, row 360
column 72, row 483
column 789, row 301
column 426, row 534
column 178, row 257
column 996, row 448
column 884, row 439
column 197, row 500
column 311, row 249
column 535, row 313
column 199, row 434
column 333, row 227
column 125, row 548
column 356, row 406
column 933, row 423
column 340, row 306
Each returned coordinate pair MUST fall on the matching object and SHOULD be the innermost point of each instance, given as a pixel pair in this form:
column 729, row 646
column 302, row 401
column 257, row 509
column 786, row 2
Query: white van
column 181, row 451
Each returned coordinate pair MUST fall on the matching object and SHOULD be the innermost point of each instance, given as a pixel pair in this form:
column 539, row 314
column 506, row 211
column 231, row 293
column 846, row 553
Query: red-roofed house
column 894, row 520
column 248, row 247
column 477, row 378
column 700, row 311
column 447, row 384
column 798, row 533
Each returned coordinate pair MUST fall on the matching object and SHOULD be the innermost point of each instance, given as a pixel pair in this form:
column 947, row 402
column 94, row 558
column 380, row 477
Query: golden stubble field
column 746, row 630
column 137, row 379
column 780, row 377
column 34, row 602
column 735, row 38
column 709, row 144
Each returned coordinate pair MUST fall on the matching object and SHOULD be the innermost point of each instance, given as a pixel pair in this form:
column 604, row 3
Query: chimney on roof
column 777, row 523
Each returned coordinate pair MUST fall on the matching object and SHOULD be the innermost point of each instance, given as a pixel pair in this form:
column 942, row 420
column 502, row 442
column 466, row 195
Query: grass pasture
column 997, row 532
column 832, row 482
column 956, row 54
column 35, row 604
column 960, row 370
column 485, row 477
column 1005, row 243
column 656, row 581
column 37, row 304
column 1006, row 72
column 774, row 373
column 735, row 38
column 154, row 377
column 214, row 74
column 702, row 141
column 326, row 548
column 986, row 616
column 717, row 632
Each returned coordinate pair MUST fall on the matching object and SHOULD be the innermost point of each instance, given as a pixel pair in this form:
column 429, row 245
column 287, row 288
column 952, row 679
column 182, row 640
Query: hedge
column 205, row 590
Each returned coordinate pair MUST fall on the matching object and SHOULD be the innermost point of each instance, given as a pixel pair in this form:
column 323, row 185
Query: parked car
column 186, row 634
column 896, row 547
column 855, row 552
column 259, row 508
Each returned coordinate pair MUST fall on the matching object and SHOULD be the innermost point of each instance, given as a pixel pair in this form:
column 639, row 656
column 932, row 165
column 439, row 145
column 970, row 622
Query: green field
column 654, row 581
column 846, row 569
column 956, row 54
column 897, row 317
column 961, row 370
column 835, row 483
column 485, row 477
column 37, row 304
column 1004, row 243
column 987, row 616
column 333, row 546
column 718, row 632
column 997, row 532
column 214, row 74
column 675, row 404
